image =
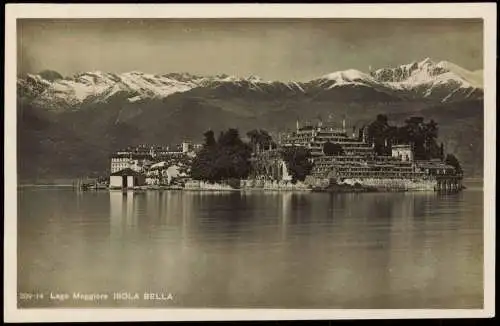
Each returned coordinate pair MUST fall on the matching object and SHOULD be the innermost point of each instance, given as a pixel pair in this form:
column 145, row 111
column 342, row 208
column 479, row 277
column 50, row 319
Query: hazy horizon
column 273, row 49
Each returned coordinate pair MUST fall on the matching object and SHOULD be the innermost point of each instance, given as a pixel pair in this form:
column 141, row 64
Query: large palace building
column 359, row 161
column 314, row 138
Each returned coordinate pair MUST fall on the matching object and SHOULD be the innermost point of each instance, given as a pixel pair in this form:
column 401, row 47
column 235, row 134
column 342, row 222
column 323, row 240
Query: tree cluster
column 453, row 161
column 297, row 160
column 421, row 135
column 260, row 139
column 228, row 157
column 223, row 159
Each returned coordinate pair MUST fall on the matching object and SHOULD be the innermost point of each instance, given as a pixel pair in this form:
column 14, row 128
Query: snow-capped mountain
column 425, row 80
column 97, row 86
column 443, row 81
column 345, row 77
column 100, row 86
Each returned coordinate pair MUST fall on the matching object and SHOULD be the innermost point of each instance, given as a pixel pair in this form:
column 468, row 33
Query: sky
column 273, row 49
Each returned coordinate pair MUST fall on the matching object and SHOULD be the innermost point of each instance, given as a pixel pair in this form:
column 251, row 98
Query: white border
column 487, row 11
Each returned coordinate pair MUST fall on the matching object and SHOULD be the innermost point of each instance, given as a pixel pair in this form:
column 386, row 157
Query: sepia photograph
column 292, row 163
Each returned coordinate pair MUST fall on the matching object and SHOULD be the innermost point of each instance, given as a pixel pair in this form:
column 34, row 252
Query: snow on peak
column 97, row 73
column 426, row 61
column 37, row 78
column 100, row 85
column 229, row 78
column 427, row 78
column 426, row 72
column 134, row 99
column 443, row 80
column 347, row 75
column 255, row 79
column 135, row 73
column 475, row 78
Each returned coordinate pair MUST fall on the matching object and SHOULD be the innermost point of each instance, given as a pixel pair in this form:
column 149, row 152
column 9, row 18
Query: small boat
column 84, row 186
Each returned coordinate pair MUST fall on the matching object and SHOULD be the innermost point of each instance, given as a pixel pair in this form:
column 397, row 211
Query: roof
column 306, row 128
column 130, row 155
column 126, row 172
column 159, row 165
column 434, row 166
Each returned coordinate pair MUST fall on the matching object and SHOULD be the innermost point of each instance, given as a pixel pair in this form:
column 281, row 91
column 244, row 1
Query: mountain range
column 68, row 126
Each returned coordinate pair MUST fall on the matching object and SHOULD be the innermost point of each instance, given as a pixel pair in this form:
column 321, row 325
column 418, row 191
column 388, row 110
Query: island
column 320, row 157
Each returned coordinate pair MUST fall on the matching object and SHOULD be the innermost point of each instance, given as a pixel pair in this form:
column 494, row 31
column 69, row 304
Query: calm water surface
column 257, row 249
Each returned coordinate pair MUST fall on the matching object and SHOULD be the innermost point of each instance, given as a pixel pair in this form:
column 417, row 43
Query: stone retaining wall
column 202, row 185
column 273, row 185
column 395, row 184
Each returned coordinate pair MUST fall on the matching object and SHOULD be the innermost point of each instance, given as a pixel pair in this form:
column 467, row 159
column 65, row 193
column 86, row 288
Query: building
column 156, row 173
column 134, row 161
column 190, row 149
column 267, row 164
column 126, row 178
column 315, row 137
column 163, row 174
column 140, row 158
column 172, row 172
column 359, row 161
column 403, row 152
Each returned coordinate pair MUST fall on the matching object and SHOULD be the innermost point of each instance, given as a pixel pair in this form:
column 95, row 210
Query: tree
column 297, row 160
column 379, row 134
column 416, row 132
column 209, row 138
column 331, row 149
column 413, row 133
column 203, row 165
column 260, row 138
column 453, row 161
column 228, row 158
column 430, row 146
column 230, row 138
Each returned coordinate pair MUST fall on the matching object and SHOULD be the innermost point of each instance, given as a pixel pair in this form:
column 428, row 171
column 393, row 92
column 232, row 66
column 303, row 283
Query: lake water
column 255, row 249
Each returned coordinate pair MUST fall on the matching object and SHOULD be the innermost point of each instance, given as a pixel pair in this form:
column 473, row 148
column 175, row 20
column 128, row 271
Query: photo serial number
column 80, row 296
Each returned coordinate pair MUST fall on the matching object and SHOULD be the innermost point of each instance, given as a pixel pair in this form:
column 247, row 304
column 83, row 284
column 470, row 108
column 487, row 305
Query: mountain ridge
column 438, row 82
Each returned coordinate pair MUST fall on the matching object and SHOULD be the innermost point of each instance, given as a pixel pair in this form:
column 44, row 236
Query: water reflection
column 260, row 249
column 124, row 212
